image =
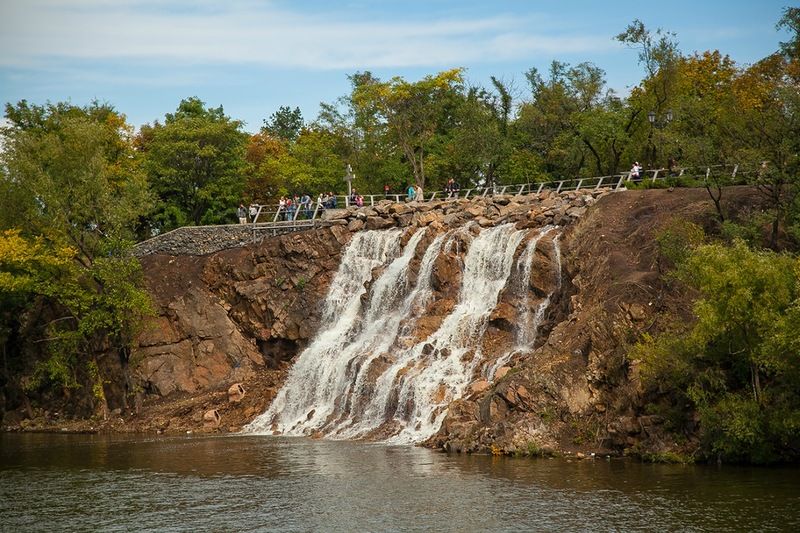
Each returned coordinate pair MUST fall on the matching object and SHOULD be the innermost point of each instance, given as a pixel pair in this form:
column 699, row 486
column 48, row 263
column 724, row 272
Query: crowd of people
column 303, row 207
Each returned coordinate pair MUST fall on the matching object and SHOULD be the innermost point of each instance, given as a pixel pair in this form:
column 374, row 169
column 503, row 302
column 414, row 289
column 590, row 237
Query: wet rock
column 403, row 220
column 501, row 372
column 479, row 386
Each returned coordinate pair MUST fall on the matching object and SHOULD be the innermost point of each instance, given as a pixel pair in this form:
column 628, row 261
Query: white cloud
column 38, row 32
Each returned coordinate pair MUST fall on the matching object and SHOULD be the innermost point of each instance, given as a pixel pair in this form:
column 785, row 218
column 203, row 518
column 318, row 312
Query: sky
column 253, row 56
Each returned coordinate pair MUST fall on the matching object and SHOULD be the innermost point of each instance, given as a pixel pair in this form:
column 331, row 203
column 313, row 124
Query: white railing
column 303, row 216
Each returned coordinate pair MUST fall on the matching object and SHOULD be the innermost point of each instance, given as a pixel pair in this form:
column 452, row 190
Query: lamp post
column 348, row 177
column 655, row 123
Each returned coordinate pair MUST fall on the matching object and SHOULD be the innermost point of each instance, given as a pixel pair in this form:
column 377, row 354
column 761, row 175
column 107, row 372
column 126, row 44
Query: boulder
column 335, row 214
column 501, row 372
column 355, row 225
column 473, row 210
column 400, row 209
column 479, row 386
column 379, row 223
column 235, row 393
column 423, row 219
column 403, row 220
column 212, row 419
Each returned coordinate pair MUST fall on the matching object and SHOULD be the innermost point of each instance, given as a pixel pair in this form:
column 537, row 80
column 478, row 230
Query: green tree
column 659, row 54
column 285, row 123
column 548, row 124
column 71, row 188
column 195, row 163
column 737, row 365
column 413, row 113
column 363, row 139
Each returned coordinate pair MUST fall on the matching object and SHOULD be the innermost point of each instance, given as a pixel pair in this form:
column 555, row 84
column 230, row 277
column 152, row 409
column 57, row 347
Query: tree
column 413, row 113
column 262, row 182
column 71, row 196
column 737, row 364
column 285, row 123
column 548, row 125
column 195, row 163
column 659, row 54
column 363, row 139
column 764, row 132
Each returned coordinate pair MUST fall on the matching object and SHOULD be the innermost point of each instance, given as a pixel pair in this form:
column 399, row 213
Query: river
column 119, row 483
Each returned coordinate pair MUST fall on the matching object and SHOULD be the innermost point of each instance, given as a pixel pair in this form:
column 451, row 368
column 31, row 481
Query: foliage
column 737, row 364
column 195, row 163
column 285, row 123
column 410, row 113
column 72, row 197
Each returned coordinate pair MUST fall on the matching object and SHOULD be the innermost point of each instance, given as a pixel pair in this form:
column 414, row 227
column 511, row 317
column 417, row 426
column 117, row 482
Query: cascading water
column 438, row 369
column 316, row 379
column 372, row 377
column 528, row 323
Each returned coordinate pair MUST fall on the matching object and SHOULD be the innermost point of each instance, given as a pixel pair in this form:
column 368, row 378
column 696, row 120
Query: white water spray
column 369, row 376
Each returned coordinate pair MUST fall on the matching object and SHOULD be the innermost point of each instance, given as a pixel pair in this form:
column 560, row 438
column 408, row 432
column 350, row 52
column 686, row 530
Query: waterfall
column 366, row 374
column 438, row 369
column 317, row 378
column 528, row 325
column 527, row 330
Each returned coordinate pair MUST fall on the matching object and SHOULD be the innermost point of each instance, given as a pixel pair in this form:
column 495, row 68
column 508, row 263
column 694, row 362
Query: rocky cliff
column 231, row 323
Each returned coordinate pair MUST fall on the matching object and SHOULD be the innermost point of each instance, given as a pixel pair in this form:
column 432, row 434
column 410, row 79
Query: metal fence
column 303, row 215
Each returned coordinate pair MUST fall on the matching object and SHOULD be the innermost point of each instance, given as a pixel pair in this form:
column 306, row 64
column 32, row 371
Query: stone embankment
column 526, row 211
column 548, row 208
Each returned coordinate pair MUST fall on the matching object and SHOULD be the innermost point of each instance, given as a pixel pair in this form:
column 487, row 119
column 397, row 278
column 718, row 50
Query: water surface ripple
column 78, row 483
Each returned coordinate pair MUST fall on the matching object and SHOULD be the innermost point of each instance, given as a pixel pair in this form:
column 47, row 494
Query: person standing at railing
column 411, row 193
column 636, row 171
column 242, row 214
column 420, row 195
column 253, row 212
column 305, row 205
column 282, row 207
column 386, row 190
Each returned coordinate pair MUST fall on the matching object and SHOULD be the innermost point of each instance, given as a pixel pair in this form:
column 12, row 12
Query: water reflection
column 244, row 483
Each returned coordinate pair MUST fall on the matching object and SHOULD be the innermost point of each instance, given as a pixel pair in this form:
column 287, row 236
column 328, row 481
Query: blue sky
column 251, row 56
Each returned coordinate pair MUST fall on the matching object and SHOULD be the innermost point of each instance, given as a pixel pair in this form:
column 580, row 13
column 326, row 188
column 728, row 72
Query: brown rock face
column 577, row 391
column 238, row 317
column 224, row 316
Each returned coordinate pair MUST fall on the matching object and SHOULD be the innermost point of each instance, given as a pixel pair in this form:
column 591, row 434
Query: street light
column 651, row 118
column 349, row 177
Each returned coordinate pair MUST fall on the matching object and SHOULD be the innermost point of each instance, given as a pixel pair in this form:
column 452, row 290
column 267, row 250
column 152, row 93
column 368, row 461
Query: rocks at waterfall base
column 240, row 315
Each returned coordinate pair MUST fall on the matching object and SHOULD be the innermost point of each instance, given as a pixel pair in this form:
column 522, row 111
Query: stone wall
column 204, row 240
column 536, row 209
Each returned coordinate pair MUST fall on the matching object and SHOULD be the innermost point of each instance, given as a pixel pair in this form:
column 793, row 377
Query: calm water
column 63, row 482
